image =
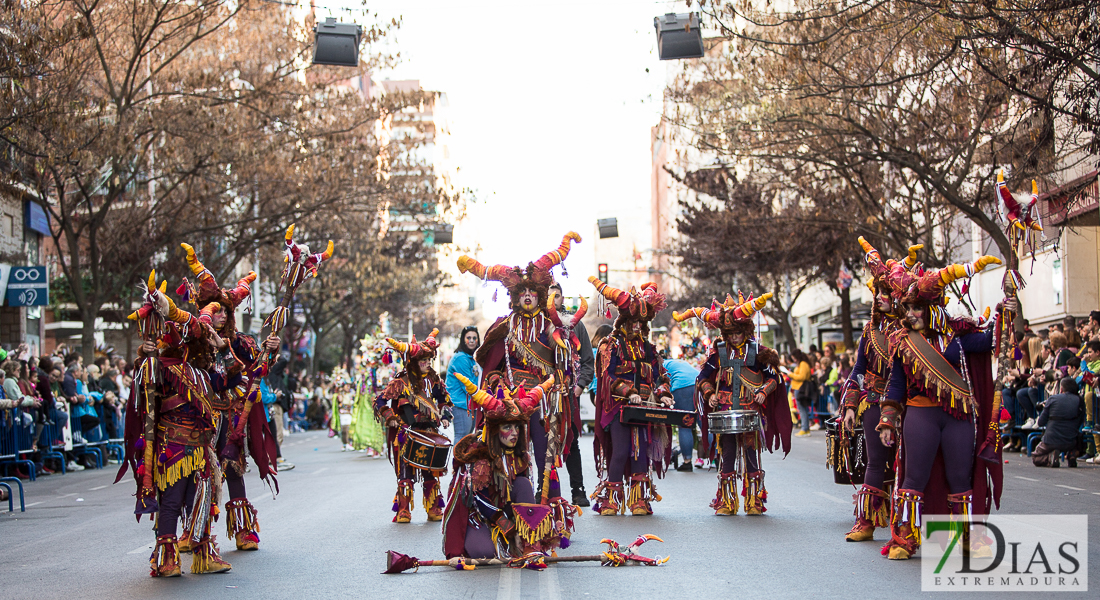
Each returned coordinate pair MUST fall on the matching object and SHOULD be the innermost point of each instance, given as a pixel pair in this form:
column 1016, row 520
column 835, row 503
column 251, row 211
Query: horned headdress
column 730, row 316
column 536, row 276
column 513, row 407
column 633, row 305
column 414, row 350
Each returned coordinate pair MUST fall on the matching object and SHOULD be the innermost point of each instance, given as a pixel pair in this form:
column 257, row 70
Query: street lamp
column 679, row 36
column 336, row 43
column 444, row 233
column 609, row 228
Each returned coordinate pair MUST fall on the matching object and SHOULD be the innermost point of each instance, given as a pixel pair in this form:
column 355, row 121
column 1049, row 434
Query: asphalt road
column 326, row 534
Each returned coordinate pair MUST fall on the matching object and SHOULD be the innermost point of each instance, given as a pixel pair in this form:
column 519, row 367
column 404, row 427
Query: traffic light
column 602, row 268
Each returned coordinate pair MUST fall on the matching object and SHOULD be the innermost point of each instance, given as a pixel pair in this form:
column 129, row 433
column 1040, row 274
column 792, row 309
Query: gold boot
column 165, row 560
column 726, row 502
column 433, row 501
column 206, row 558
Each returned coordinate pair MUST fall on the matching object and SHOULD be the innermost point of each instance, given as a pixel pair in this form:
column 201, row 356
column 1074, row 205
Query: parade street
column 326, row 534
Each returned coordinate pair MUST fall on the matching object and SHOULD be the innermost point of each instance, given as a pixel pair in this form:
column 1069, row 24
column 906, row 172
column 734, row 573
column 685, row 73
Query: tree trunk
column 87, row 335
column 846, row 316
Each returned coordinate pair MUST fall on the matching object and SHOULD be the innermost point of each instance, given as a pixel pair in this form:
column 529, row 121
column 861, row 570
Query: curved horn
column 706, row 315
column 551, row 311
column 581, row 311
column 557, row 255
column 478, row 395
column 192, row 260
column 401, row 347
column 618, row 297
column 151, row 285
column 289, row 234
column 749, row 308
column 911, row 260
column 501, row 273
column 327, row 254
column 951, row 273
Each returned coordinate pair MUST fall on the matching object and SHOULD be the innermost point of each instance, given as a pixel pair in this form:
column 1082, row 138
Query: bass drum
column 426, row 450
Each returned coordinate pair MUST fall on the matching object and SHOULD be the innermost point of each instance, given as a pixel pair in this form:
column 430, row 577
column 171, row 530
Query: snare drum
column 734, row 421
column 426, row 450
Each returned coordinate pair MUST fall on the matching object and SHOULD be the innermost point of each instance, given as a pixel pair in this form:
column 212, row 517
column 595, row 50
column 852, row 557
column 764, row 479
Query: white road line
column 97, row 488
column 1024, row 478
column 319, row 471
column 145, row 548
column 832, row 497
column 66, row 495
column 34, row 503
column 548, row 585
column 508, row 588
column 1069, row 487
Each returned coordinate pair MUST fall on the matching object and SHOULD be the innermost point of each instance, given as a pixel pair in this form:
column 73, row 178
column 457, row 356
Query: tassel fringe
column 727, row 494
column 240, row 517
column 184, row 467
column 873, row 506
column 165, row 554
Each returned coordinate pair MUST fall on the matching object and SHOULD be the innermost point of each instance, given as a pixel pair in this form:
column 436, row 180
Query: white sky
column 550, row 108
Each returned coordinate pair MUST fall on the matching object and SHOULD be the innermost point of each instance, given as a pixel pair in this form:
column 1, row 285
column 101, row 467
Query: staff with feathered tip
column 300, row 265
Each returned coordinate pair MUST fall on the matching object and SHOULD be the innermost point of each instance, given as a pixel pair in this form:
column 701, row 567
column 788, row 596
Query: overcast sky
column 551, row 107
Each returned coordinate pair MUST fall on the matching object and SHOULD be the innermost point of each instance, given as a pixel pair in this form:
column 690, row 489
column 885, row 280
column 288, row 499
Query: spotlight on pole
column 609, row 228
column 444, row 233
column 679, row 36
column 336, row 43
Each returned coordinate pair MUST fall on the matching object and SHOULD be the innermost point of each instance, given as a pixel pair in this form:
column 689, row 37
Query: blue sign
column 37, row 219
column 27, row 286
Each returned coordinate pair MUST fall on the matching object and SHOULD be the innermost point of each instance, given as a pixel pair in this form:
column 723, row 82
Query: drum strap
column 727, row 362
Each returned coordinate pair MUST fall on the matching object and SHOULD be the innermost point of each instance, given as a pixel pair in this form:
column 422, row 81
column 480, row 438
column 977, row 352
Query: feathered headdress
column 512, row 408
column 731, row 315
column 536, row 276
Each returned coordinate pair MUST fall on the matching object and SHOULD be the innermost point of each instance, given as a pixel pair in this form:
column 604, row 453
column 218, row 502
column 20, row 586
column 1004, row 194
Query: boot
column 580, row 498
column 642, row 492
column 241, row 524
column 961, row 507
column 403, row 501
column 206, row 558
column 905, row 528
column 725, row 503
column 185, row 545
column 433, row 501
column 165, row 560
column 872, row 510
column 755, row 494
column 609, row 498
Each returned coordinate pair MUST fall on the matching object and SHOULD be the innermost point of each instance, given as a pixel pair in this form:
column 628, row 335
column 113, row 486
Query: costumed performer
column 865, row 388
column 236, row 354
column 630, row 371
column 415, row 399
column 519, row 350
column 491, row 506
column 942, row 378
column 741, row 374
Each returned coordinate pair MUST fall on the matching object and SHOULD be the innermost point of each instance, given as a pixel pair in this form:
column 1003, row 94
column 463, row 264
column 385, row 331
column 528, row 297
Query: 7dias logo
column 1005, row 553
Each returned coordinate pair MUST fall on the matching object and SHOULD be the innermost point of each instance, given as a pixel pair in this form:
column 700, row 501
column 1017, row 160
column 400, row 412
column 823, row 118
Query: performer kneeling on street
column 630, row 372
column 416, row 399
column 491, row 509
column 741, row 375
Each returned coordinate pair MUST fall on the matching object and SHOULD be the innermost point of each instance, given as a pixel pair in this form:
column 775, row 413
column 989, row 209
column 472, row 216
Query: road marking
column 35, row 503
column 508, row 588
column 321, row 470
column 831, row 497
column 548, row 585
column 145, row 548
column 1024, row 478
column 97, row 488
column 66, row 495
column 1069, row 487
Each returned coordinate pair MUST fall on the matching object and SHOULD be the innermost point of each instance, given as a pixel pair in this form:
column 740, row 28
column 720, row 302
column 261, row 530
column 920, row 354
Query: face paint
column 915, row 317
column 509, row 435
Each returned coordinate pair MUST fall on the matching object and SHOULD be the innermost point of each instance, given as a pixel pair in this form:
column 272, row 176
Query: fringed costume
column 170, row 434
column 526, row 348
column 864, row 390
column 943, row 381
column 741, row 374
column 629, row 371
column 242, row 357
column 491, row 507
column 418, row 401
